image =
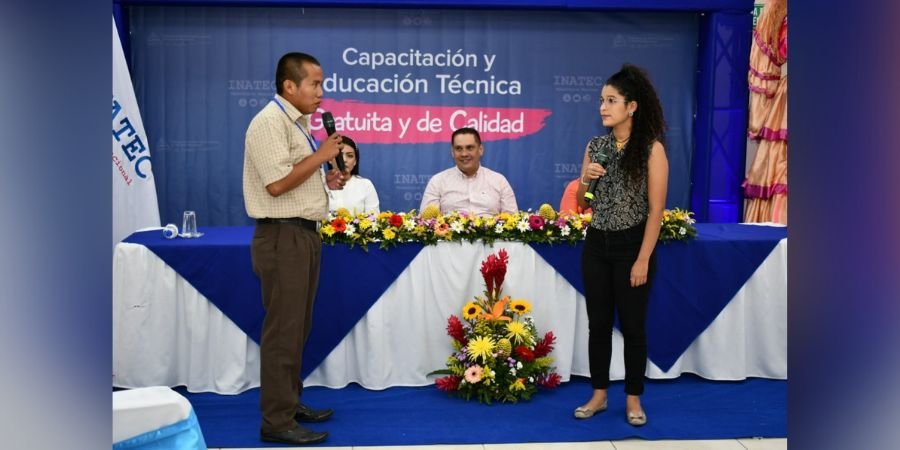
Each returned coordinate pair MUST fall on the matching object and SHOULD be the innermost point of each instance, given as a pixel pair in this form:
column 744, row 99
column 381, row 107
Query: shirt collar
column 293, row 113
column 463, row 174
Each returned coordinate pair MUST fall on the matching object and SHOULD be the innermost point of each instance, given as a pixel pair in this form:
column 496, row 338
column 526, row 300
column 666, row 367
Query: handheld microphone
column 328, row 122
column 602, row 158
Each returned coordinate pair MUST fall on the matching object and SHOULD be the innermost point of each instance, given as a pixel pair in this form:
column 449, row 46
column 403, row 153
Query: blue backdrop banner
column 399, row 82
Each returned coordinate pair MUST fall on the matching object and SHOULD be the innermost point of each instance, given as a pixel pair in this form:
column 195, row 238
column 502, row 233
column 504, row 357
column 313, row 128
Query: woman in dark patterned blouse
column 631, row 170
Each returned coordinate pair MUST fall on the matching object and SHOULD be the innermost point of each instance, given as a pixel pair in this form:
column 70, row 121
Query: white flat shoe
column 638, row 419
column 585, row 413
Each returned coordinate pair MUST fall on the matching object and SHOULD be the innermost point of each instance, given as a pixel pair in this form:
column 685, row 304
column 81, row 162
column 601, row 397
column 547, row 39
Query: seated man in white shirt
column 469, row 187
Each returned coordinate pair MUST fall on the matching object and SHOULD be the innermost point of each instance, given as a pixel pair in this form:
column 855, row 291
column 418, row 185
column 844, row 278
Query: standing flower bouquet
column 497, row 355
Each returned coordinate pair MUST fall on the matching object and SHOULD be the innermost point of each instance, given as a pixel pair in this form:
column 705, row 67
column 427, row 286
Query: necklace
column 620, row 144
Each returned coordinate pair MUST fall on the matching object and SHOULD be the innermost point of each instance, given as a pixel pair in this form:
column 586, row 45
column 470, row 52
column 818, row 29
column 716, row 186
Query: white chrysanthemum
column 565, row 230
column 350, row 229
column 498, row 229
column 523, row 226
column 456, row 227
column 682, row 231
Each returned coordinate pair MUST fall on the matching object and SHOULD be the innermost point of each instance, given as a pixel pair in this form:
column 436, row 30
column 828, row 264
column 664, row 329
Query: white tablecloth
column 166, row 333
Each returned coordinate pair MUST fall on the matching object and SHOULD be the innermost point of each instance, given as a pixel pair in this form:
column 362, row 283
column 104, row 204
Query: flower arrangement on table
column 677, row 225
column 430, row 227
column 497, row 353
column 546, row 225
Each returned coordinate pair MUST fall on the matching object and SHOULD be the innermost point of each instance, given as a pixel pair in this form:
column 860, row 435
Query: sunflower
column 471, row 311
column 517, row 331
column 481, row 346
column 520, row 306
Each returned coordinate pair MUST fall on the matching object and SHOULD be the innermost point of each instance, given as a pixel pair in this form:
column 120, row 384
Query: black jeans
column 606, row 270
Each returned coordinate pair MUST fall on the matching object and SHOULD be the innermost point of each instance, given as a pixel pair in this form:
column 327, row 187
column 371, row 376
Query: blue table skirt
column 695, row 281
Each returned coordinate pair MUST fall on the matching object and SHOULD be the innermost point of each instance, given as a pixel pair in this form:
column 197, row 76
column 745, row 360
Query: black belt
column 299, row 221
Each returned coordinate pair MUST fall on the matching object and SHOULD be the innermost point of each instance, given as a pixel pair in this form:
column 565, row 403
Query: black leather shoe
column 296, row 436
column 307, row 414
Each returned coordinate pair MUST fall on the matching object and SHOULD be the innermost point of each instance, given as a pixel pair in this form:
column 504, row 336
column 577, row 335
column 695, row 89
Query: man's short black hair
column 466, row 130
column 290, row 67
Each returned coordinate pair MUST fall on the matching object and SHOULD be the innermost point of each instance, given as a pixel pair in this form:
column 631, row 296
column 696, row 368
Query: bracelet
column 583, row 183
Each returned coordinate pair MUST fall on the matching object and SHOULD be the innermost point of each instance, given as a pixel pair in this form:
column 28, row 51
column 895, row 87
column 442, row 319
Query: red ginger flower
column 493, row 270
column 525, row 353
column 455, row 330
column 545, row 346
column 395, row 220
column 449, row 383
column 550, row 381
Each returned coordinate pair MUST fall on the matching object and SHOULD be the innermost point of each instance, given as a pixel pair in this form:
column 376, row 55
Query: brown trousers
column 286, row 259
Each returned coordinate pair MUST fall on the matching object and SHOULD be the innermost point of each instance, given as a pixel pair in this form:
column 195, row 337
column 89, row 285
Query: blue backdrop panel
column 721, row 126
column 201, row 73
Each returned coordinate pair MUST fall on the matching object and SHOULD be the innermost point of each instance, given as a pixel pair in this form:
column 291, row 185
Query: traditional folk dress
column 765, row 188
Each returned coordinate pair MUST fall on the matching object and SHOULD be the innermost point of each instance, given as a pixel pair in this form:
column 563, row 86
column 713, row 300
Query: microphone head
column 328, row 122
column 603, row 158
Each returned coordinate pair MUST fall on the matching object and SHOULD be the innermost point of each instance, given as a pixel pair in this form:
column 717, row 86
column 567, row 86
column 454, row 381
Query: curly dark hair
column 648, row 123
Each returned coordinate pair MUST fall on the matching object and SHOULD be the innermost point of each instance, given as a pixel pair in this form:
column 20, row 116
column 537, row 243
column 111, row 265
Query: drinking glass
column 189, row 225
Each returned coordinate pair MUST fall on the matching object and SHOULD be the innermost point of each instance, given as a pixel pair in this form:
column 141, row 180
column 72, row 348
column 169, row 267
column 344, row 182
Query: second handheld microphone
column 328, row 123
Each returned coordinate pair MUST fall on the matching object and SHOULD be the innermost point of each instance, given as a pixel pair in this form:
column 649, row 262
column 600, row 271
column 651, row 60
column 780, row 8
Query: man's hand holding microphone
column 337, row 177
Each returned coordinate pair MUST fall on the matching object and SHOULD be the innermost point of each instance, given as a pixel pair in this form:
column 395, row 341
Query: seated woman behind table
column 568, row 202
column 358, row 195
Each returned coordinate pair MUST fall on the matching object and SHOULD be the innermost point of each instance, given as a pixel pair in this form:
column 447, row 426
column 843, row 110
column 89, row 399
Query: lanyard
column 312, row 140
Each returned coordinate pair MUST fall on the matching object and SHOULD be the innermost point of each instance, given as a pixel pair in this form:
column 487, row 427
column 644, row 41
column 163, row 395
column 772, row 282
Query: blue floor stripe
column 686, row 408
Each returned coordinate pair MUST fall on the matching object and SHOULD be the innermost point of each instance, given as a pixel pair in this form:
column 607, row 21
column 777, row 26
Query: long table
column 188, row 311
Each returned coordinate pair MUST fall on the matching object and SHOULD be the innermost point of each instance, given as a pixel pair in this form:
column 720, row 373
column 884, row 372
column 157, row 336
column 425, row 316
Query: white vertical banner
column 134, row 191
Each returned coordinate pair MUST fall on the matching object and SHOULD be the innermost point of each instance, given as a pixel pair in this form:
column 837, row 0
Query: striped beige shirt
column 274, row 143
